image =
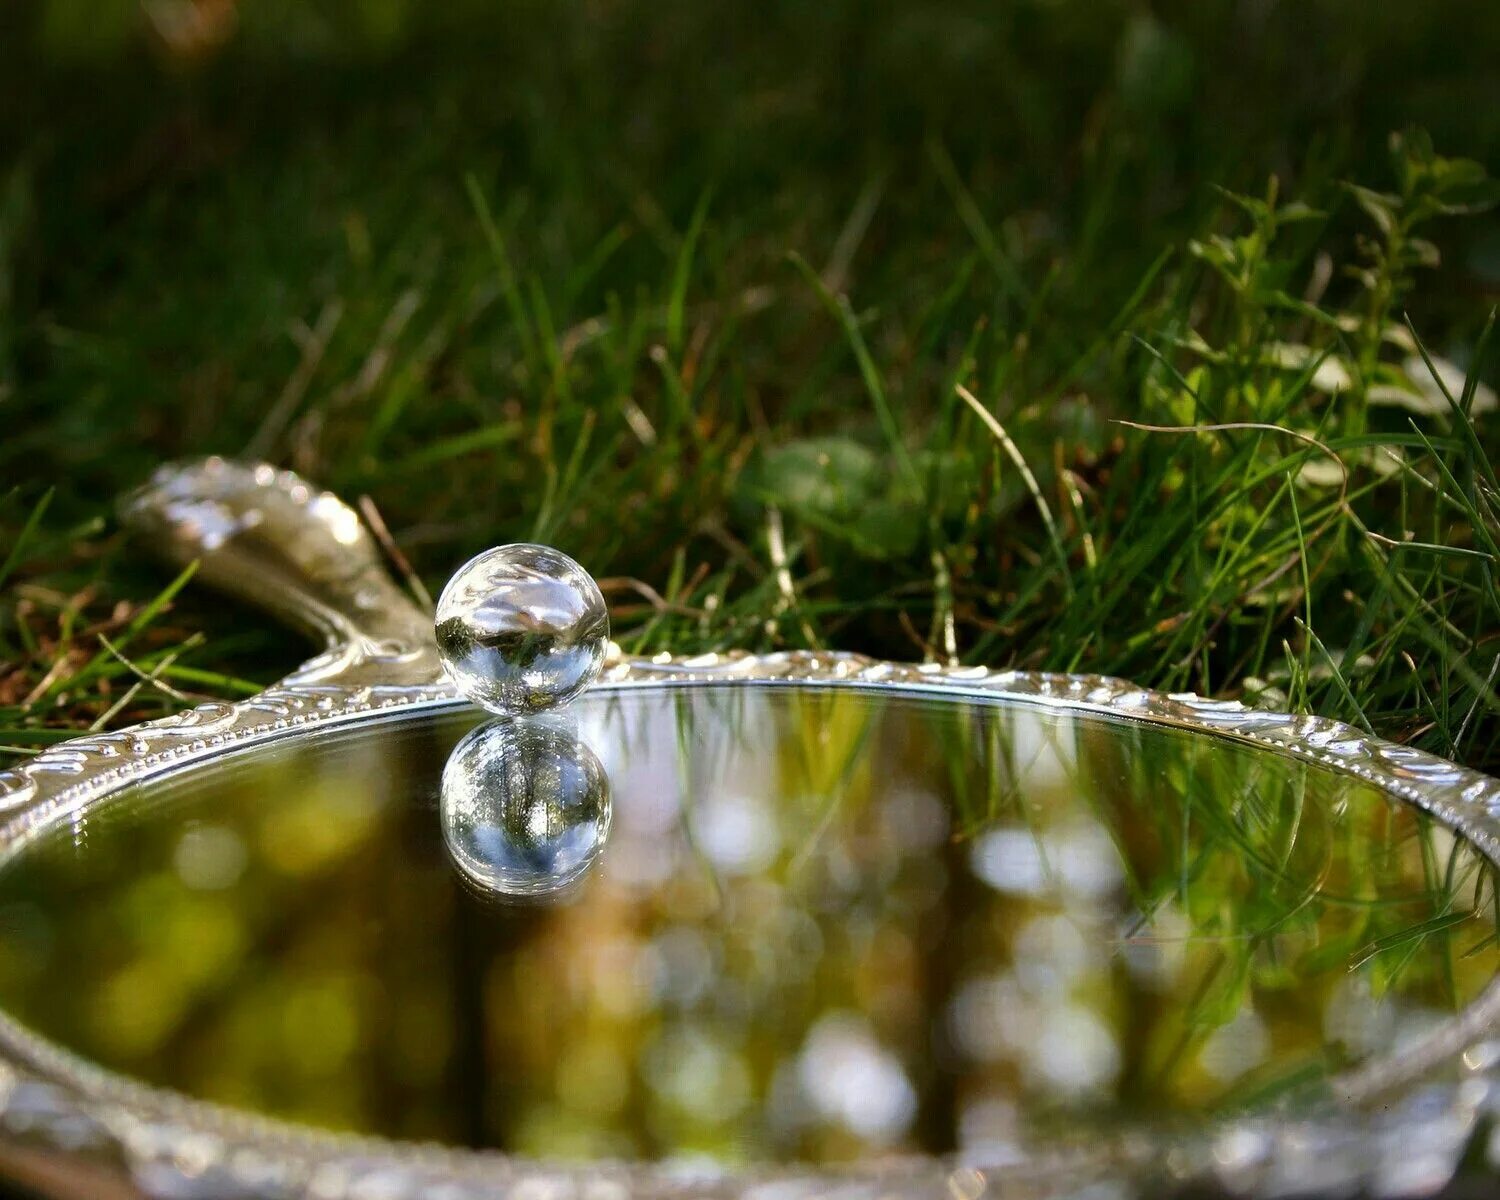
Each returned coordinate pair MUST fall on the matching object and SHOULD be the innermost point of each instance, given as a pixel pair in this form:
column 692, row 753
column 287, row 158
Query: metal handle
column 270, row 537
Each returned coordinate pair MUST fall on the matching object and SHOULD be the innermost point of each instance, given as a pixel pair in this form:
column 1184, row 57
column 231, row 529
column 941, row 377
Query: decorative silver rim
column 1387, row 1131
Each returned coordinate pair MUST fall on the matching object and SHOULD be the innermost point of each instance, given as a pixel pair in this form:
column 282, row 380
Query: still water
column 746, row 923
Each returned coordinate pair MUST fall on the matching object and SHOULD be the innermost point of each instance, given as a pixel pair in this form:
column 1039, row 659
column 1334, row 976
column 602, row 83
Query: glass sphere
column 522, row 628
column 525, row 809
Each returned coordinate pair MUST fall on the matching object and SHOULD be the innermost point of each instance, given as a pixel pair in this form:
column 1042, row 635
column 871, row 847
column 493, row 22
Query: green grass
column 1051, row 334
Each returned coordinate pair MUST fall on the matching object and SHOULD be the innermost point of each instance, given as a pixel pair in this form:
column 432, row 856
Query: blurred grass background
column 691, row 292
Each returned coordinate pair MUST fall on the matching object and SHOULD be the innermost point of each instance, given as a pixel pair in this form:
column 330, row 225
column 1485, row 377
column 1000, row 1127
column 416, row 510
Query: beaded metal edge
column 172, row 1145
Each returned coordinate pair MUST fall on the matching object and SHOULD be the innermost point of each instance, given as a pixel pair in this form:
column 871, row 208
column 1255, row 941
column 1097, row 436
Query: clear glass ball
column 522, row 628
column 525, row 809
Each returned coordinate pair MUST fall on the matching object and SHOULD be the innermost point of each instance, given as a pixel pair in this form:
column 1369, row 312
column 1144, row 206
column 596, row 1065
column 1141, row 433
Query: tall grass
column 923, row 333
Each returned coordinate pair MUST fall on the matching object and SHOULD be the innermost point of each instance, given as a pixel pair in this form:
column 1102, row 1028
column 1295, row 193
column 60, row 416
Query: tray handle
column 270, row 537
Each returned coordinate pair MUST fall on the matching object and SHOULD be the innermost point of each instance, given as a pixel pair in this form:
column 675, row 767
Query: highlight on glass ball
column 522, row 629
column 525, row 809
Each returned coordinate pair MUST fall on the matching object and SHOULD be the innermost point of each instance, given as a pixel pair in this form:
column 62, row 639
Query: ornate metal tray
column 906, row 930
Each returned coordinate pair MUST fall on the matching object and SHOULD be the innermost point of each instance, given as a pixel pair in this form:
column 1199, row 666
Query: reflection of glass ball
column 522, row 628
column 525, row 808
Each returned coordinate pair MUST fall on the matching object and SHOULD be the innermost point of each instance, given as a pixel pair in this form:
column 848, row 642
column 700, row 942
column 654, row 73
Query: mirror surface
column 752, row 923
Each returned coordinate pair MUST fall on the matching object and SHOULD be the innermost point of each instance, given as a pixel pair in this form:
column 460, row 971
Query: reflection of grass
column 686, row 742
column 366, row 994
column 830, row 732
column 1289, row 877
column 817, row 748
